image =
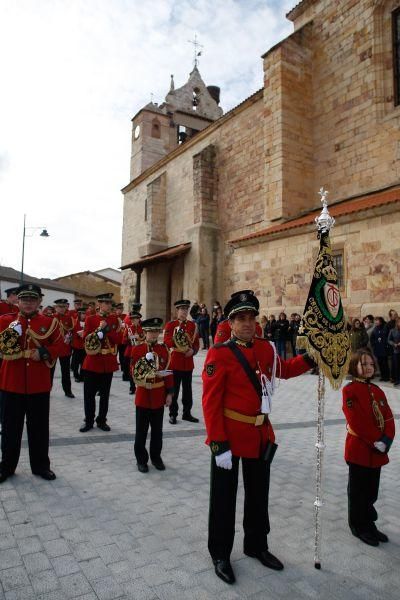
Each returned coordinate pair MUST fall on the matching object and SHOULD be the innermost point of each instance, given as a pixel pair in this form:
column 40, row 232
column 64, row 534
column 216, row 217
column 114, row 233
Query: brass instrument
column 9, row 341
column 145, row 368
column 182, row 341
column 93, row 343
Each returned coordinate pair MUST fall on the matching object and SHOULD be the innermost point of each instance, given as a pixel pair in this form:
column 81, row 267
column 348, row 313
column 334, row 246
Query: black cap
column 182, row 303
column 61, row 302
column 29, row 290
column 242, row 301
column 136, row 306
column 106, row 297
column 153, row 324
column 10, row 291
column 135, row 314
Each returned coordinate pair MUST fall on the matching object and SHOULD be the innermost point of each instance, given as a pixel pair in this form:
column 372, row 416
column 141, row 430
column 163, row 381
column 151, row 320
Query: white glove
column 82, row 324
column 150, row 356
column 381, row 446
column 17, row 327
column 100, row 335
column 224, row 460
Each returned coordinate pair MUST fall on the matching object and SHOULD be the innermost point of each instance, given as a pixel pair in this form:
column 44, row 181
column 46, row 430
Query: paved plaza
column 103, row 530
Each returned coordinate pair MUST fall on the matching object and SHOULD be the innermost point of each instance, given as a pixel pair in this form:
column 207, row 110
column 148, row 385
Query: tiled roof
column 157, row 257
column 345, row 207
column 10, row 274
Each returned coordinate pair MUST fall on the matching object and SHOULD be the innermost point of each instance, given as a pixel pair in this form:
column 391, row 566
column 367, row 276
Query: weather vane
column 197, row 52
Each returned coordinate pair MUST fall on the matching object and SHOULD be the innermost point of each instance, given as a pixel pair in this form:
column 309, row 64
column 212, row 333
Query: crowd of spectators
column 380, row 336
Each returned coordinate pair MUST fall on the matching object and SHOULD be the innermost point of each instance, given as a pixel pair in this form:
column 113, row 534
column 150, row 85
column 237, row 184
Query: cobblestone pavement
column 103, row 531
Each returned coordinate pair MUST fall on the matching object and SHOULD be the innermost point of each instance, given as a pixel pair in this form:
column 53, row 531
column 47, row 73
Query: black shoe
column 267, row 559
column 104, row 426
column 190, row 418
column 124, row 378
column 142, row 468
column 70, row 395
column 381, row 537
column 172, row 420
column 131, row 392
column 47, row 474
column 367, row 537
column 224, row 571
column 86, row 427
column 3, row 476
column 159, row 464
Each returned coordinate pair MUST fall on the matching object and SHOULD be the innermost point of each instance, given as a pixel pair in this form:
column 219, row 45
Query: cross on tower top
column 196, row 46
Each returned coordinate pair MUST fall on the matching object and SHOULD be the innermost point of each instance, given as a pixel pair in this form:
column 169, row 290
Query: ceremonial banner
column 323, row 331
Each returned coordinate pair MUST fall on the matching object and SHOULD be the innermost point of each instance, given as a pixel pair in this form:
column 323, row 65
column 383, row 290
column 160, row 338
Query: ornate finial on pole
column 324, row 221
column 172, row 86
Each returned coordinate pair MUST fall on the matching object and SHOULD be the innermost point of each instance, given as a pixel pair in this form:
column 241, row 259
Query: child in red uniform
column 370, row 433
column 149, row 364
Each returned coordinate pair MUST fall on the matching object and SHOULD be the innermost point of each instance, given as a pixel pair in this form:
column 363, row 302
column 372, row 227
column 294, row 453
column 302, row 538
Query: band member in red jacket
column 66, row 326
column 370, row 433
column 77, row 307
column 182, row 337
column 154, row 390
column 224, row 330
column 238, row 380
column 132, row 335
column 102, row 335
column 10, row 305
column 29, row 345
column 77, row 343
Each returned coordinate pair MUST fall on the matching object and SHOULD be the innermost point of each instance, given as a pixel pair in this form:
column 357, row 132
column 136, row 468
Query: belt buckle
column 259, row 420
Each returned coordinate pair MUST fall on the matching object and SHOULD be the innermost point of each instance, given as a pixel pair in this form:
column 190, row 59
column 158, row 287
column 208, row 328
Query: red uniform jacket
column 179, row 362
column 77, row 341
column 106, row 360
column 223, row 332
column 66, row 326
column 131, row 330
column 153, row 393
column 226, row 385
column 6, row 308
column 23, row 375
column 362, row 425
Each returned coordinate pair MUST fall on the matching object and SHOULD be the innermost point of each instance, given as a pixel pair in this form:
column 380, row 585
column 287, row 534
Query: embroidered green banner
column 323, row 332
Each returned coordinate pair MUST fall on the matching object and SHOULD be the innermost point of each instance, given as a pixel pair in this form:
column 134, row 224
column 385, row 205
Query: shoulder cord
column 268, row 385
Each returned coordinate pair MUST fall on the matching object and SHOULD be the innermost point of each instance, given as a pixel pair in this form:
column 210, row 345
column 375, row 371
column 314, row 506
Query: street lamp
column 43, row 234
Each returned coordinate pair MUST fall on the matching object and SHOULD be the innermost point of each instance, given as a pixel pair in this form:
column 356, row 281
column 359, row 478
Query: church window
column 396, row 55
column 338, row 263
column 155, row 129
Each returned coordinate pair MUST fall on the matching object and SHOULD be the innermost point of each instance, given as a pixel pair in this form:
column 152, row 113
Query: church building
column 220, row 202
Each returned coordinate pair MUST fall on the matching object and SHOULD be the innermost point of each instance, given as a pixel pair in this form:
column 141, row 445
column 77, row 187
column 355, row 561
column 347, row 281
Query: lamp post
column 43, row 233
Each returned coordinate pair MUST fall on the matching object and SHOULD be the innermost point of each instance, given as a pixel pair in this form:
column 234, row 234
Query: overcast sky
column 73, row 73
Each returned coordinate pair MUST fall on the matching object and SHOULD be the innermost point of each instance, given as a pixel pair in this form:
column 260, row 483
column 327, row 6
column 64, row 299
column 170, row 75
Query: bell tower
column 150, row 138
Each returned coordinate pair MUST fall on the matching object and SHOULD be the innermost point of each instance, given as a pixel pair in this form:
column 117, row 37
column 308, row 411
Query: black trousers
column 223, row 491
column 362, row 493
column 144, row 418
column 384, row 367
column 78, row 356
column 93, row 383
column 65, row 364
column 36, row 409
column 184, row 377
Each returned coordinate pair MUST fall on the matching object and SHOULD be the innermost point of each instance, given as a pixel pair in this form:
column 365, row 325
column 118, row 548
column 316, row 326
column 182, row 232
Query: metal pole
column 23, row 255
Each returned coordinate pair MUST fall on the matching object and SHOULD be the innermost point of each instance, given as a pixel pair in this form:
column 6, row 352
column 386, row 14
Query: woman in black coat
column 380, row 347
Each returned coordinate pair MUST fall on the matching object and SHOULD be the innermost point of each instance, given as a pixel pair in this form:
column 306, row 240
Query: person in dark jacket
column 203, row 323
column 294, row 324
column 218, row 317
column 281, row 334
column 358, row 336
column 379, row 345
column 394, row 342
column 269, row 329
column 391, row 323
